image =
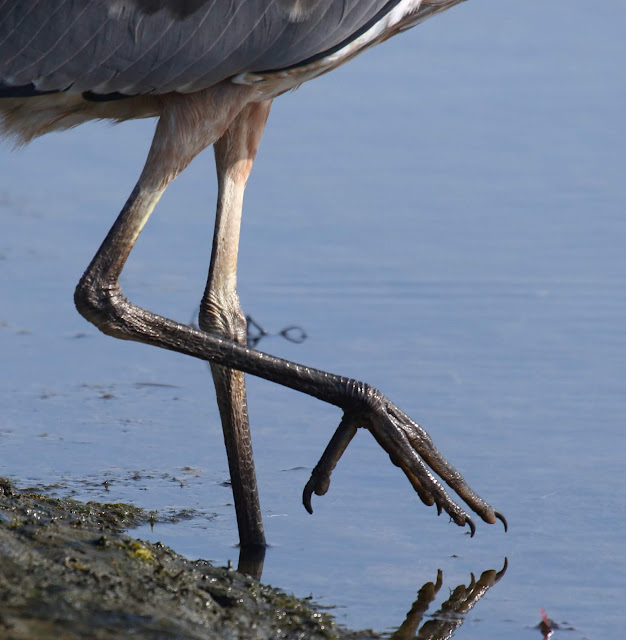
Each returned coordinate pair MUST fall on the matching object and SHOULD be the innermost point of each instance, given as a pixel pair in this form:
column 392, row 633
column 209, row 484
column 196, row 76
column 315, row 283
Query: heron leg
column 220, row 311
column 183, row 130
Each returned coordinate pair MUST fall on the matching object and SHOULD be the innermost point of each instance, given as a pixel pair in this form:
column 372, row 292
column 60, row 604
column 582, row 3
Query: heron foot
column 409, row 447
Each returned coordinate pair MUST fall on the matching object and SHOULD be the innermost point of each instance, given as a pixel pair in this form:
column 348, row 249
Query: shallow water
column 445, row 218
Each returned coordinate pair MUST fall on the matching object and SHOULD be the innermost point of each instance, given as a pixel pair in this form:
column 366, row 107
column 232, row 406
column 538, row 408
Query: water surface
column 445, row 218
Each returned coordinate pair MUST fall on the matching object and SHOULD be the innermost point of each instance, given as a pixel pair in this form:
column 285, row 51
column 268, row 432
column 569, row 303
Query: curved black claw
column 309, row 488
column 320, row 476
column 470, row 523
column 502, row 520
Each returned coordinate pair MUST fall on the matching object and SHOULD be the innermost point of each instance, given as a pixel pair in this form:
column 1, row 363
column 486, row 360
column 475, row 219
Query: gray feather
column 135, row 47
column 298, row 10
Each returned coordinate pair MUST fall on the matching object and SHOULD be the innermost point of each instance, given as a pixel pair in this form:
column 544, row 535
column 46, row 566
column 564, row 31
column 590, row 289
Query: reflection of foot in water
column 451, row 615
column 441, row 624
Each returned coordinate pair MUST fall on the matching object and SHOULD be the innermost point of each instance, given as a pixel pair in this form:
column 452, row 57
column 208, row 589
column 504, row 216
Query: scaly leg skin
column 220, row 312
column 181, row 133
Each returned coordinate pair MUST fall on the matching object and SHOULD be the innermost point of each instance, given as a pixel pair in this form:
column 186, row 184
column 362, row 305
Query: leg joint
column 222, row 316
column 103, row 305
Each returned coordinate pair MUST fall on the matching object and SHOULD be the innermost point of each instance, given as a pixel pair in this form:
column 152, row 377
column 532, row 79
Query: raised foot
column 409, row 447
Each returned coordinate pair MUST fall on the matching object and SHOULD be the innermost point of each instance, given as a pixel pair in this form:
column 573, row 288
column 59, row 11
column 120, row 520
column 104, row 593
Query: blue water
column 445, row 218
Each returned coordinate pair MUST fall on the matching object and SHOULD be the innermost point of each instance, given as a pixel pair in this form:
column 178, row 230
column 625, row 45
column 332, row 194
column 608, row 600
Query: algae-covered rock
column 68, row 571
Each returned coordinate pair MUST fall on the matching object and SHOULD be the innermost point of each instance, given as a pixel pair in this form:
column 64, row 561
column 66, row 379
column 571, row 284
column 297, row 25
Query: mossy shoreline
column 68, row 570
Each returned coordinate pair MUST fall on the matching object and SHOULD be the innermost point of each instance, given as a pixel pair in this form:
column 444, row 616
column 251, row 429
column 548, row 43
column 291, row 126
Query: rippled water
column 445, row 218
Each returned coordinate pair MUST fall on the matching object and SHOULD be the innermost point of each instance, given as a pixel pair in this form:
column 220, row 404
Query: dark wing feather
column 134, row 47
